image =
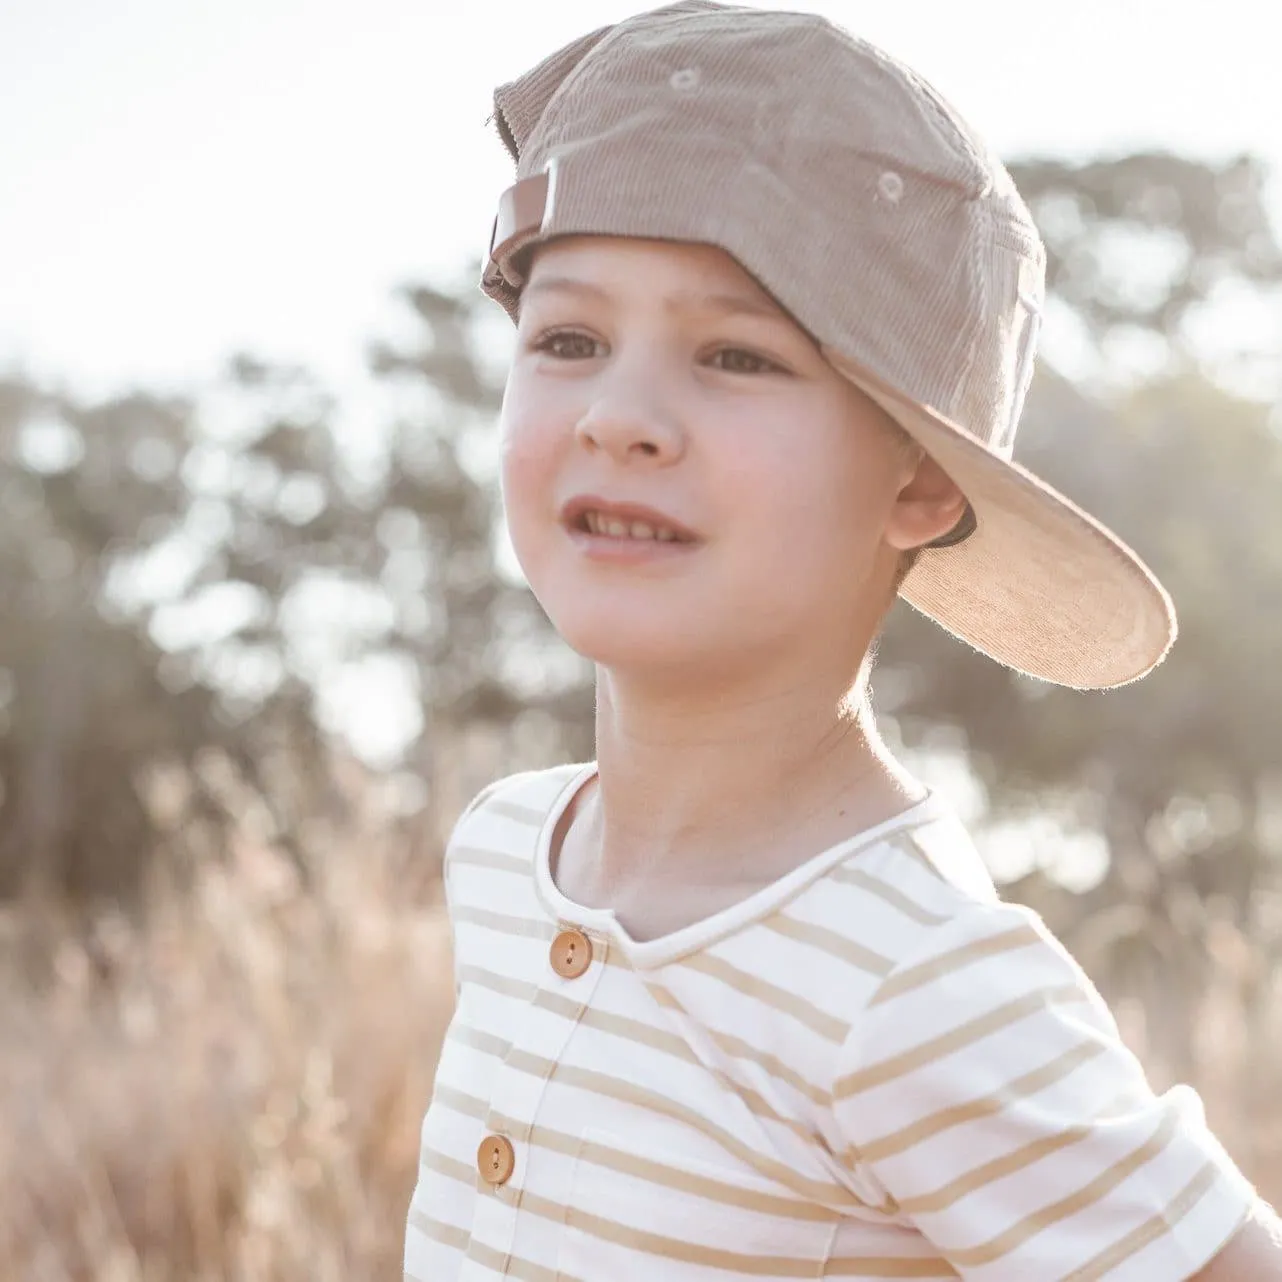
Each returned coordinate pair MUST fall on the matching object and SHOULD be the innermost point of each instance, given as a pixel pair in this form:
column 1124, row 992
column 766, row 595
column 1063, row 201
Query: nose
column 631, row 429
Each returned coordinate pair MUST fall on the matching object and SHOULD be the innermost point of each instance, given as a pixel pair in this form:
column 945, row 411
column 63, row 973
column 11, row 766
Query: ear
column 928, row 506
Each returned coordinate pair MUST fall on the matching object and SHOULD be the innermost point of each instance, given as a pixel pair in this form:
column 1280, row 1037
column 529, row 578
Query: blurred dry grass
column 240, row 1097
column 235, row 1094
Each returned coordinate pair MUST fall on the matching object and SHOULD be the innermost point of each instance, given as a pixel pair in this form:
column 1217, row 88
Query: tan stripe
column 480, row 1041
column 954, row 1040
column 926, row 1128
column 495, row 1261
column 888, row 1266
column 613, row 1088
column 888, row 894
column 953, row 1192
column 446, row 1234
column 906, row 845
column 786, row 1003
column 533, row 928
column 499, row 860
column 673, row 1249
column 521, row 989
column 737, row 1048
column 905, row 981
column 949, row 1194
column 527, row 815
column 1087, row 1195
column 459, row 1102
column 667, row 1249
column 555, row 1003
column 602, row 1084
column 643, row 1034
column 1152, row 1228
column 526, row 927
column 669, row 1177
column 511, row 1266
column 628, row 1163
column 846, row 1267
column 831, row 943
column 450, row 1167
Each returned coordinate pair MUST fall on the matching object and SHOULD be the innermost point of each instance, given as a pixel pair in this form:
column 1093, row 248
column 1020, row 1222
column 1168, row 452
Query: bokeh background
column 261, row 636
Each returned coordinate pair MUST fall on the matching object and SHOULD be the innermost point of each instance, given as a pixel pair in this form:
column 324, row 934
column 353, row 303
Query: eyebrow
column 724, row 304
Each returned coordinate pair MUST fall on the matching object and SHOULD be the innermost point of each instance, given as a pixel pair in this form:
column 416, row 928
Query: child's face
column 661, row 375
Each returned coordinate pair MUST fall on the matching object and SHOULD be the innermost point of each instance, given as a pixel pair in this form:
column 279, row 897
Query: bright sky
column 178, row 181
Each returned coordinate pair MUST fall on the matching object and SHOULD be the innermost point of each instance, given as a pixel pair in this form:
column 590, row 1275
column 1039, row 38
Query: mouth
column 624, row 522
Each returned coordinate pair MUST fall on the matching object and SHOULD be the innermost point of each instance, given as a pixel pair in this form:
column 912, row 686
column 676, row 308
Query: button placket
column 574, row 966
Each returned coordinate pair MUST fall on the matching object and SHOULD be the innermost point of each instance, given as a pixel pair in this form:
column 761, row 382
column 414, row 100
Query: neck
column 735, row 784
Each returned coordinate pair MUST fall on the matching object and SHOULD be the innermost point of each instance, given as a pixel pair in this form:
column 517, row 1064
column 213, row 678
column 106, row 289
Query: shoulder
column 907, row 888
column 951, row 945
column 527, row 790
column 510, row 810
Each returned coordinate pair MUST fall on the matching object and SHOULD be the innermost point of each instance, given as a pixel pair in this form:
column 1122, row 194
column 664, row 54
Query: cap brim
column 1039, row 586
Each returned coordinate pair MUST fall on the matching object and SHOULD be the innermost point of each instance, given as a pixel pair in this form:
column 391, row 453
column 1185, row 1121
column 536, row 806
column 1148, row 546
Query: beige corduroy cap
column 877, row 218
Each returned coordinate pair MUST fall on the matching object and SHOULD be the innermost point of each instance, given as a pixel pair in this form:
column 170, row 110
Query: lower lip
column 623, row 551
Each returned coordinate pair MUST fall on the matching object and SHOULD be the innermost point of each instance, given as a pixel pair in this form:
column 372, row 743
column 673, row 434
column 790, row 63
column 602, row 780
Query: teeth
column 598, row 523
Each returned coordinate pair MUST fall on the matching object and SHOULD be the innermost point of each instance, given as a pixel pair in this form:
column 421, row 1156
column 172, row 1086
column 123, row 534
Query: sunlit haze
column 178, row 182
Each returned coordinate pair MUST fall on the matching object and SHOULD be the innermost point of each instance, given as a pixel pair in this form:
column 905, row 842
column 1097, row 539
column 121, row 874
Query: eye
column 738, row 360
column 567, row 345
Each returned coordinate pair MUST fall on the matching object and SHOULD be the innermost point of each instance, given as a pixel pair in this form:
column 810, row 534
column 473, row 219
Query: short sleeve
column 986, row 1091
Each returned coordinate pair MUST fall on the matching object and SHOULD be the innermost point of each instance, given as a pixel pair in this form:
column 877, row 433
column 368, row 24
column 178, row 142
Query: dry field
column 234, row 1095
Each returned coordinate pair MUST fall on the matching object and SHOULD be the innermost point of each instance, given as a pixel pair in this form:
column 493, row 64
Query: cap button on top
column 571, row 953
column 496, row 1159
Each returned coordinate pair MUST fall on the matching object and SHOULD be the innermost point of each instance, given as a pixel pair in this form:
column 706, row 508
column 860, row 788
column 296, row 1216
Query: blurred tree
column 183, row 586
column 186, row 588
column 1140, row 241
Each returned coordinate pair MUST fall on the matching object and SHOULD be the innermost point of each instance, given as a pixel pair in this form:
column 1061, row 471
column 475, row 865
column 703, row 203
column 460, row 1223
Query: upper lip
column 573, row 512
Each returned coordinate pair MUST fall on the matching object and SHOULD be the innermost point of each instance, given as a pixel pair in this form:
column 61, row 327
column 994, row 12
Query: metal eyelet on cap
column 685, row 80
column 890, row 186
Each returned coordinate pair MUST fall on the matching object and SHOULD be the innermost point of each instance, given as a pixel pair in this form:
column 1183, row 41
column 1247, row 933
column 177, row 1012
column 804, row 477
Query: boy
column 738, row 999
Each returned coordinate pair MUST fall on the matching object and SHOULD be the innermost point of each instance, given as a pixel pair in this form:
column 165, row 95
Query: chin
column 610, row 643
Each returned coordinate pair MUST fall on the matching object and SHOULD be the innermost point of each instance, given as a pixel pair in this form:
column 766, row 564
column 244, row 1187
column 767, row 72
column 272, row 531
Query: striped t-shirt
column 872, row 1068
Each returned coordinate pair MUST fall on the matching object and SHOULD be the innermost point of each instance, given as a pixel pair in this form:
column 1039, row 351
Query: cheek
column 814, row 513
column 531, row 449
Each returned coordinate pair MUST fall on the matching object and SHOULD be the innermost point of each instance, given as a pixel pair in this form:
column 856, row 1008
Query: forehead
column 624, row 267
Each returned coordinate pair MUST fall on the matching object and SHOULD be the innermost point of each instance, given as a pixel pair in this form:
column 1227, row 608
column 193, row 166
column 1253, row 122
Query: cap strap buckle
column 522, row 209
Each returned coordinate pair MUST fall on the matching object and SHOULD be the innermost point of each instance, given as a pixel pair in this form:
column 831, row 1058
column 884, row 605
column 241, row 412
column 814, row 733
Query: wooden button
column 571, row 953
column 496, row 1159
